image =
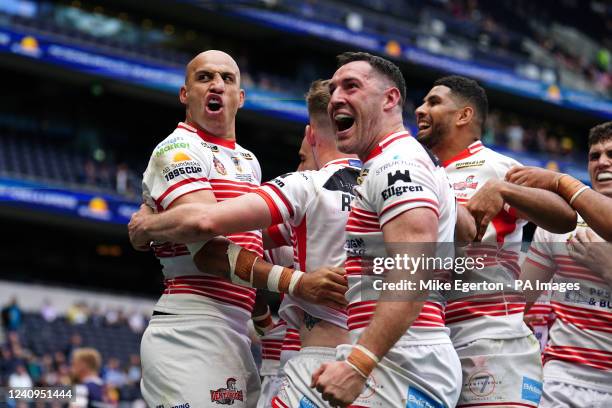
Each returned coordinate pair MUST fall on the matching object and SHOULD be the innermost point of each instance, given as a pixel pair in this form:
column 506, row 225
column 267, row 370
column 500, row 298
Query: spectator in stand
column 113, row 375
column 136, row 322
column 20, row 378
column 134, row 371
column 121, row 179
column 48, row 311
column 7, row 364
column 514, row 135
column 76, row 341
column 12, row 316
column 77, row 313
column 85, row 370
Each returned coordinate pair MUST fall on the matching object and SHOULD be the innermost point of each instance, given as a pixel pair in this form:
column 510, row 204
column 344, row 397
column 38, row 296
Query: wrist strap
column 577, row 193
column 362, row 360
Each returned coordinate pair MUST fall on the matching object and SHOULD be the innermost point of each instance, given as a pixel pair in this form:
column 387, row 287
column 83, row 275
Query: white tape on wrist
column 274, row 278
column 295, row 278
column 356, row 369
column 232, row 256
column 367, row 352
column 577, row 193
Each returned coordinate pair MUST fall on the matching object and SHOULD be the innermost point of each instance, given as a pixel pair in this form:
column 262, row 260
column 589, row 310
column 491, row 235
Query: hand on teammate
column 138, row 237
column 324, row 286
column 534, row 177
column 484, row 205
column 592, row 252
column 338, row 383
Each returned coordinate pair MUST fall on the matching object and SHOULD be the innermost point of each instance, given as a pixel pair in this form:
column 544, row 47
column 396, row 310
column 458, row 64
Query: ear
column 242, row 96
column 465, row 116
column 393, row 98
column 183, row 95
column 309, row 135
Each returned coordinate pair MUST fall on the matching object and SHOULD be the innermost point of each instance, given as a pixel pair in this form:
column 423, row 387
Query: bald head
column 211, row 57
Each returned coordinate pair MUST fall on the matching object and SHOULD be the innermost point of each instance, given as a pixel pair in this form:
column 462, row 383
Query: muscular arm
column 413, row 233
column 543, row 208
column 200, row 218
column 465, row 229
column 596, row 208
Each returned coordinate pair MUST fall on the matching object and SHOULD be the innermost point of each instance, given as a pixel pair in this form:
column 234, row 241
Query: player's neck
column 452, row 146
column 381, row 135
column 330, row 155
column 221, row 132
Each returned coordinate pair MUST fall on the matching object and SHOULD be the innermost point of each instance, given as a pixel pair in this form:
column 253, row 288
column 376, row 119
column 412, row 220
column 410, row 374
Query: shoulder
column 498, row 160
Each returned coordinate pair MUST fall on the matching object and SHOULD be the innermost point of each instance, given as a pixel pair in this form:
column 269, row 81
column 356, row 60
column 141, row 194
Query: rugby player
column 316, row 204
column 487, row 328
column 401, row 354
column 578, row 357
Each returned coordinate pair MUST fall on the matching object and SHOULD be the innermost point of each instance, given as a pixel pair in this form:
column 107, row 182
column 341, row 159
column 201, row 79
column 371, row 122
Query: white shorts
column 197, row 360
column 295, row 390
column 500, row 373
column 269, row 388
column 409, row 376
column 559, row 394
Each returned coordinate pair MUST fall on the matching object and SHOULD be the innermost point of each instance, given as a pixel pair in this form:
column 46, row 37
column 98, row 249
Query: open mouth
column 423, row 126
column 343, row 121
column 604, row 176
column 214, row 104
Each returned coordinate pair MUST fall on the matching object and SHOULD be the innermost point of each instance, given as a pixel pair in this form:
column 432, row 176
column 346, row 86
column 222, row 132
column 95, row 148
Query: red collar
column 387, row 140
column 230, row 144
column 464, row 154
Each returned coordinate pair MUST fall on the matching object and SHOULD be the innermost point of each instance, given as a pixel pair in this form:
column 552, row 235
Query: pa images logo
column 227, row 396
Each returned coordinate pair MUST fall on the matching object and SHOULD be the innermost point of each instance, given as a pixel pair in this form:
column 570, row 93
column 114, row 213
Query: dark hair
column 318, row 97
column 381, row 65
column 469, row 90
column 600, row 133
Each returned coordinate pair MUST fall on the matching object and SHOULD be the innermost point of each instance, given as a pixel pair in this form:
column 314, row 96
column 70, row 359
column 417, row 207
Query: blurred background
column 90, row 87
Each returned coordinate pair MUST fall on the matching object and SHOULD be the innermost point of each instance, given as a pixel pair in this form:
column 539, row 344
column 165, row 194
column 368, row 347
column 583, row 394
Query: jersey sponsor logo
column 464, row 185
column 306, row 402
column 418, row 399
column 531, row 390
column 180, row 157
column 344, row 180
column 247, row 156
column 482, row 383
column 165, row 148
column 345, row 204
column 213, row 148
column 183, row 405
column 219, row 166
column 236, row 161
column 187, row 167
column 394, row 163
column 467, row 164
column 398, row 191
column 228, row 395
column 355, row 246
column 399, row 175
column 362, row 176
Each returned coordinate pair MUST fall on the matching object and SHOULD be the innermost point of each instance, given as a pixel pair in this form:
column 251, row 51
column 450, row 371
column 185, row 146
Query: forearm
column 542, row 207
column 465, row 229
column 180, row 224
column 596, row 208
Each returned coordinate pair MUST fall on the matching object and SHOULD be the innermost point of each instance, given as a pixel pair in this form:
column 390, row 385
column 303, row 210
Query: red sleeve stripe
column 280, row 195
column 233, row 183
column 276, row 235
column 539, row 265
column 186, row 192
column 411, row 200
column 275, row 214
column 170, row 189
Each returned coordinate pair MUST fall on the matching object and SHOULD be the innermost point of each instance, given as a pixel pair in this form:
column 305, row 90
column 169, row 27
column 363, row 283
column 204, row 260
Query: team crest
column 362, row 175
column 227, row 396
column 219, row 166
column 236, row 161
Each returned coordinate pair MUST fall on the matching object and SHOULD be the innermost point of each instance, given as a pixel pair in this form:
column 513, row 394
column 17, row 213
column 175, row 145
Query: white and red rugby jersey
column 475, row 315
column 579, row 347
column 190, row 160
column 271, row 345
column 399, row 175
column 316, row 204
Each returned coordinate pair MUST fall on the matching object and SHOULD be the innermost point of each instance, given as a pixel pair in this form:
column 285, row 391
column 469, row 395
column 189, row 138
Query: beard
column 436, row 134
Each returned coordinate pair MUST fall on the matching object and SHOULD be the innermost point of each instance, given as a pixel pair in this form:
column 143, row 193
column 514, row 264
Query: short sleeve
column 540, row 251
column 288, row 196
column 398, row 186
column 177, row 167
